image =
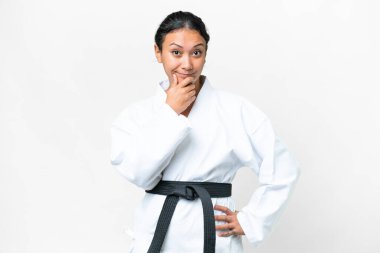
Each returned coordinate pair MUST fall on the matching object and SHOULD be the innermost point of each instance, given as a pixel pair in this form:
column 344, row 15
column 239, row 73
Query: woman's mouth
column 184, row 75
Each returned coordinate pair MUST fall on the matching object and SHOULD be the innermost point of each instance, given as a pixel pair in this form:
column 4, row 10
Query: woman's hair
column 178, row 20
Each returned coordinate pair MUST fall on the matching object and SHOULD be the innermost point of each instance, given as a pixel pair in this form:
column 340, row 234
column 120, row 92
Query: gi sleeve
column 277, row 173
column 141, row 149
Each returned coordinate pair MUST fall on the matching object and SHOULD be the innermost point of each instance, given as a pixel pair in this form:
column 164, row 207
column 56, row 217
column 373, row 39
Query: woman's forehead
column 185, row 38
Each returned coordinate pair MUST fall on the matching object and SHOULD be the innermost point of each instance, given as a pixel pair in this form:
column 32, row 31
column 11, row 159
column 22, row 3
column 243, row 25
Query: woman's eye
column 177, row 52
column 198, row 52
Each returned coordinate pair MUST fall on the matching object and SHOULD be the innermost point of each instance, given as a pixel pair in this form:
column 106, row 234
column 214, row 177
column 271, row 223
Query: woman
column 184, row 146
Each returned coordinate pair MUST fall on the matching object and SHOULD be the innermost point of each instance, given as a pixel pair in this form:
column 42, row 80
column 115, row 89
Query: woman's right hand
column 181, row 95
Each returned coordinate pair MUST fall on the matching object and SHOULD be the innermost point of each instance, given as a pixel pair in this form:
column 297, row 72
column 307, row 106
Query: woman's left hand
column 232, row 223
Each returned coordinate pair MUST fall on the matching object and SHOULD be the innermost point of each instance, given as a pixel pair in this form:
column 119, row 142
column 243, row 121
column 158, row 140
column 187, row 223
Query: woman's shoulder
column 134, row 110
column 240, row 102
column 241, row 108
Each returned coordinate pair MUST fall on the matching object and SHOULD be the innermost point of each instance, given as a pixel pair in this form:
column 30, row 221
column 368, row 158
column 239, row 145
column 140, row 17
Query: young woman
column 184, row 145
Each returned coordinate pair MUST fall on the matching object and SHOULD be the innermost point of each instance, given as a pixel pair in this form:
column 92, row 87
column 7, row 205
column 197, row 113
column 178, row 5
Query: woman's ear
column 157, row 51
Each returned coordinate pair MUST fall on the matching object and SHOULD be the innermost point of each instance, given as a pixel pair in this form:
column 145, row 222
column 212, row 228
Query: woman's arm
column 140, row 151
column 277, row 172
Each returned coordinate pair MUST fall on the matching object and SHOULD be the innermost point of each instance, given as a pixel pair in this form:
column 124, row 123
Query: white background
column 67, row 68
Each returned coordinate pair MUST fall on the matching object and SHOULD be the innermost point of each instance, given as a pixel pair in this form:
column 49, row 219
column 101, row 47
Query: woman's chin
column 180, row 79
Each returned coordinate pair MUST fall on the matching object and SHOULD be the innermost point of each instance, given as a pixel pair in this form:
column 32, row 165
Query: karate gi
column 222, row 133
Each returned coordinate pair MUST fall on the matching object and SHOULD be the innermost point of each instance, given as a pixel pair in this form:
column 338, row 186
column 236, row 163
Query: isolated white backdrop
column 67, row 68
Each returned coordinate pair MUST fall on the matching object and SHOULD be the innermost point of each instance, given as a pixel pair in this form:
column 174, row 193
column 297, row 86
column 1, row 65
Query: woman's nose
column 187, row 63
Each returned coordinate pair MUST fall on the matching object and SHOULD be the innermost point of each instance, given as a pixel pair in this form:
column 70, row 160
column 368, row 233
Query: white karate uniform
column 222, row 133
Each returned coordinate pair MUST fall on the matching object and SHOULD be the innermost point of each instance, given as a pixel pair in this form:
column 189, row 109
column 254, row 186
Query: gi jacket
column 222, row 133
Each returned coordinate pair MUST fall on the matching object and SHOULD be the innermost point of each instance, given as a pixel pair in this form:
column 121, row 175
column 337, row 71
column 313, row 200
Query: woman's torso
column 213, row 151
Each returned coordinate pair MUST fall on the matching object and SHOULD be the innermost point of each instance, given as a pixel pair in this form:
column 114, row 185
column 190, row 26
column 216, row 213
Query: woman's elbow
column 137, row 177
column 297, row 173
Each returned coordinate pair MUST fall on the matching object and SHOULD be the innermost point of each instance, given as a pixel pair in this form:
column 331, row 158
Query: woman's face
column 183, row 54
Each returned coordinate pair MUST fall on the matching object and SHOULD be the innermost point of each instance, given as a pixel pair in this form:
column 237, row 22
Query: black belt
column 190, row 191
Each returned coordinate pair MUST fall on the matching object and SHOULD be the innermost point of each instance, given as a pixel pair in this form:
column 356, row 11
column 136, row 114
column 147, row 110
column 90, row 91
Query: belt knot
column 186, row 192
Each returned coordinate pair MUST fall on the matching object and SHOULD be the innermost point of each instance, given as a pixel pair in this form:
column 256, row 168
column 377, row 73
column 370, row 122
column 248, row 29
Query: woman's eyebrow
column 200, row 44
